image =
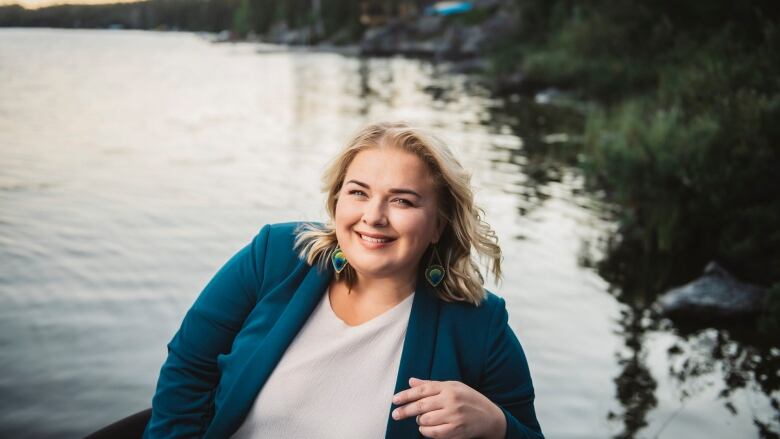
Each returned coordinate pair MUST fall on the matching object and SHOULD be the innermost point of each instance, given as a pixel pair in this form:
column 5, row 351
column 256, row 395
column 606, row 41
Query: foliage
column 334, row 17
column 241, row 24
column 203, row 15
column 686, row 139
column 610, row 48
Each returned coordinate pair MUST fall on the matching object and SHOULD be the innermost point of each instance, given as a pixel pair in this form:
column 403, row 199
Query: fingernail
column 395, row 398
column 395, row 414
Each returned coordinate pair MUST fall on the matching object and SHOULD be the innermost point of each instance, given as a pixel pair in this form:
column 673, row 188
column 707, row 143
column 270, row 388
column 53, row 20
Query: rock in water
column 715, row 296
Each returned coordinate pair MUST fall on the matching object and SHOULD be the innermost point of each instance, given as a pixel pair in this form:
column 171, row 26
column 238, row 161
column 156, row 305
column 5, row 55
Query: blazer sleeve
column 507, row 379
column 183, row 403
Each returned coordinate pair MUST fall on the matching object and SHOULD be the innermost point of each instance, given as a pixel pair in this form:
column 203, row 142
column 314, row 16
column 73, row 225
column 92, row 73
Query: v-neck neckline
column 378, row 319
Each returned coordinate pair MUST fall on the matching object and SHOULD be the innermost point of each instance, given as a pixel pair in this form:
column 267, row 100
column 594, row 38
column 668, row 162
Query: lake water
column 134, row 164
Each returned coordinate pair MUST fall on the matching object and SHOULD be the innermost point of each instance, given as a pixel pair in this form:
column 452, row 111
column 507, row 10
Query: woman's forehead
column 389, row 166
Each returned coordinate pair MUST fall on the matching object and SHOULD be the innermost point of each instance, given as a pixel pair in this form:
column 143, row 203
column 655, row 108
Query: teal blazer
column 239, row 327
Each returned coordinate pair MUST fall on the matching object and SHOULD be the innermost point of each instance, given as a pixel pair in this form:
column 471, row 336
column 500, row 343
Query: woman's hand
column 449, row 409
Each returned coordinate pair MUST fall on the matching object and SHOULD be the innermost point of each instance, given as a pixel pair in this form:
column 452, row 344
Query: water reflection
column 702, row 356
column 725, row 363
column 547, row 149
column 635, row 386
column 724, row 358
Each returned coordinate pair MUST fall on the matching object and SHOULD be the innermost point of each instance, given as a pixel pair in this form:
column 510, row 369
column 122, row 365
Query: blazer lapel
column 417, row 354
column 241, row 396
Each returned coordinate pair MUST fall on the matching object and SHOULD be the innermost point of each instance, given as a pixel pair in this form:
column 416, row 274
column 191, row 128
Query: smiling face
column 386, row 213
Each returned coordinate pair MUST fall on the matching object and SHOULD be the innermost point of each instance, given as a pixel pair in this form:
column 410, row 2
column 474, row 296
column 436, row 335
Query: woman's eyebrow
column 392, row 191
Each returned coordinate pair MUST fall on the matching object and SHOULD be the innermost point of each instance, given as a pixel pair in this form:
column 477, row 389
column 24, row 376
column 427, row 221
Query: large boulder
column 716, row 296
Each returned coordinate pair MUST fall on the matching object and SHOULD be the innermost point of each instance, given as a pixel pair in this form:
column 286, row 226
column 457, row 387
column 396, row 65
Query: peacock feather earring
column 434, row 273
column 338, row 259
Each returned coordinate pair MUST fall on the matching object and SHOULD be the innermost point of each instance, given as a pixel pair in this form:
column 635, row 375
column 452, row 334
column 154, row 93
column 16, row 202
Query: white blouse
column 334, row 380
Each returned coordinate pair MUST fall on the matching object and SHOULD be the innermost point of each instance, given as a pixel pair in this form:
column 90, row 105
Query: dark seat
column 131, row 427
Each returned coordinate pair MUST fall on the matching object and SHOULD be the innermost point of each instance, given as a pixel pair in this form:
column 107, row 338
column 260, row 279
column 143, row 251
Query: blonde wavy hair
column 465, row 232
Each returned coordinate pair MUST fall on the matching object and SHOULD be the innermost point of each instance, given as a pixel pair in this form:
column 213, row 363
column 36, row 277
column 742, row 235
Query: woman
column 375, row 324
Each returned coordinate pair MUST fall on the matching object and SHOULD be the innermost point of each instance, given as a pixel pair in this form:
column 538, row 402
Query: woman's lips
column 374, row 243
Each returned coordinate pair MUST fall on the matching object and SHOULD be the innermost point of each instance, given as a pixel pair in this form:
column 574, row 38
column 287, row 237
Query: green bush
column 687, row 139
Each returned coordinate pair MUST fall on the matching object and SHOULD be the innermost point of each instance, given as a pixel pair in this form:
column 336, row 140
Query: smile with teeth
column 374, row 240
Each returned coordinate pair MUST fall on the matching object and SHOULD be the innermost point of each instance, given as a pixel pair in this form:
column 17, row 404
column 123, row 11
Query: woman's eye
column 400, row 201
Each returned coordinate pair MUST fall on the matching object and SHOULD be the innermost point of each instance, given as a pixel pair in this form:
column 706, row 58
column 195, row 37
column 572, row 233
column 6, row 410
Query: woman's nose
column 374, row 213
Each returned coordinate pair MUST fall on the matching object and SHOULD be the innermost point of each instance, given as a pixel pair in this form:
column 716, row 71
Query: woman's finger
column 438, row 431
column 417, row 407
column 432, row 418
column 420, row 390
column 417, row 381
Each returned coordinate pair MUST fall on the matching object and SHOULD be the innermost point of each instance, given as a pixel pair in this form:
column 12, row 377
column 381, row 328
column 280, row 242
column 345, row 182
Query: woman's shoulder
column 273, row 250
column 488, row 310
column 288, row 229
column 281, row 236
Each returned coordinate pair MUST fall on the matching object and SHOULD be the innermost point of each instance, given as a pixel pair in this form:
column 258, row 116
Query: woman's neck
column 382, row 291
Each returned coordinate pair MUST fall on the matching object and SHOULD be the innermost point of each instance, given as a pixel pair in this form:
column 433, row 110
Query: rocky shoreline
column 466, row 41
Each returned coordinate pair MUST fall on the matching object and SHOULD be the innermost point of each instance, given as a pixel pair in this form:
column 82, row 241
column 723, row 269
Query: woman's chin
column 373, row 271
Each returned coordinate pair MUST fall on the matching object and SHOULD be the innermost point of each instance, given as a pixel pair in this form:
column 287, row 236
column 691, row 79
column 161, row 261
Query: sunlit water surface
column 133, row 164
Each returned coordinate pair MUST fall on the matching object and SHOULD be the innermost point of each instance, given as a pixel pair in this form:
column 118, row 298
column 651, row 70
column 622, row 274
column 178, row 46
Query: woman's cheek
column 411, row 220
column 350, row 213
